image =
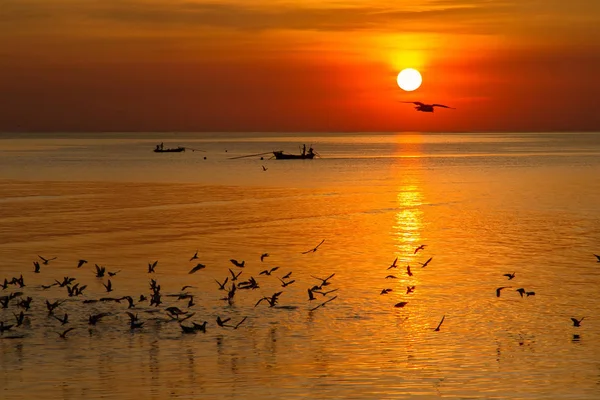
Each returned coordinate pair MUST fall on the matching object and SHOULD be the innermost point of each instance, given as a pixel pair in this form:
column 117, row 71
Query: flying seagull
column 426, row 107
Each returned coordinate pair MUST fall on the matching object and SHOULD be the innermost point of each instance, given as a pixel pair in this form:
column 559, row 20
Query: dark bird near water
column 108, row 286
column 311, row 296
column 5, row 327
column 530, row 294
column 64, row 334
column 20, row 317
column 393, row 264
column 264, row 168
column 598, row 257
column 286, row 284
column 113, row 273
column 94, row 319
column 500, row 288
column 221, row 322
column 325, row 293
column 510, row 276
column 100, row 271
column 263, row 256
column 421, row 247
column 134, row 323
column 151, row 266
column 64, row 320
column 576, row 322
column 385, row 291
column 408, row 272
column 197, row 268
column 391, row 277
column 324, row 282
column 268, row 271
column 401, row 304
column 410, row 289
column 426, row 107
column 287, row 275
column 222, row 285
column 314, row 249
column 440, row 324
column 423, row 265
column 239, row 323
column 234, row 276
column 521, row 291
column 80, row 263
column 237, row 263
column 46, row 260
column 36, row 266
column 195, row 256
column 324, row 303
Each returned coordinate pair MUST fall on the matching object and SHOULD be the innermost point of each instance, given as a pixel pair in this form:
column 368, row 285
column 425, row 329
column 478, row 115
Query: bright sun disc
column 409, row 79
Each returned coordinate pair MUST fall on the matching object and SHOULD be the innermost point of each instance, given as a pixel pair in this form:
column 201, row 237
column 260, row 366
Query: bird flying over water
column 36, row 266
column 421, row 247
column 264, row 168
column 314, row 249
column 426, row 107
column 426, row 262
column 598, row 257
column 151, row 266
column 393, row 264
column 262, row 256
column 195, row 256
column 500, row 288
column 268, row 271
column 237, row 263
column 440, row 324
column 46, row 260
column 510, row 276
column 576, row 322
column 197, row 268
column 80, row 263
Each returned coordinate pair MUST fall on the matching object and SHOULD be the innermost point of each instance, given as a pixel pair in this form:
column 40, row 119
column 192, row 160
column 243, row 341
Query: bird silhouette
column 500, row 288
column 46, row 260
column 440, row 324
column 36, row 266
column 268, row 271
column 234, row 276
column 263, row 256
column 197, row 268
column 598, row 257
column 577, row 322
column 391, row 277
column 324, row 303
column 426, row 107
column 239, row 323
column 152, row 266
column 385, row 291
column 64, row 334
column 314, row 249
column 287, row 275
column 222, row 285
column 80, row 263
column 530, row 294
column 286, row 284
column 264, row 169
column 221, row 322
column 393, row 264
column 408, row 272
column 401, row 304
column 108, row 286
column 237, row 263
column 195, row 256
column 423, row 265
column 510, row 276
column 421, row 247
column 521, row 291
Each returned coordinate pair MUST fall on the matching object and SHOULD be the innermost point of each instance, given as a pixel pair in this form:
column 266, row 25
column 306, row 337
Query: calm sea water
column 483, row 204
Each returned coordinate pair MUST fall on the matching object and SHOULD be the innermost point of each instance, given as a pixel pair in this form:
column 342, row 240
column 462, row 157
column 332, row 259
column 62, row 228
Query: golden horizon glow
column 409, row 79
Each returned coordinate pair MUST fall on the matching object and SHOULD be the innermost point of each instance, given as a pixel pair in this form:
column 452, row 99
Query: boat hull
column 176, row 150
column 280, row 155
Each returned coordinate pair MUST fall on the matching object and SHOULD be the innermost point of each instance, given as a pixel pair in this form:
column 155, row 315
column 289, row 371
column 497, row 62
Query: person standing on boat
column 310, row 152
column 303, row 149
column 161, row 145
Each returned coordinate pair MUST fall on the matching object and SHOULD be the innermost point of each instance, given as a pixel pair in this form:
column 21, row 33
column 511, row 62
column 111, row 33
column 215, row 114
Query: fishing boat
column 280, row 155
column 175, row 150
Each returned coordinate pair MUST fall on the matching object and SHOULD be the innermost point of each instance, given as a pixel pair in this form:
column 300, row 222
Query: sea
column 346, row 225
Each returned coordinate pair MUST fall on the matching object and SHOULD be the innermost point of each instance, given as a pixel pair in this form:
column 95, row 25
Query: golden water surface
column 484, row 206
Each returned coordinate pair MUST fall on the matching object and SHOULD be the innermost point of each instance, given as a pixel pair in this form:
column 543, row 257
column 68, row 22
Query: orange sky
column 282, row 65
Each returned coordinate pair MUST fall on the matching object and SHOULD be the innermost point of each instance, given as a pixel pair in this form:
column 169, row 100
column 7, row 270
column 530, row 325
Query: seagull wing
column 441, row 105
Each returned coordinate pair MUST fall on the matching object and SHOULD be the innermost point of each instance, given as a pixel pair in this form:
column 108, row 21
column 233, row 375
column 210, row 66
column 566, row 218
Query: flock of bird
column 150, row 303
column 231, row 285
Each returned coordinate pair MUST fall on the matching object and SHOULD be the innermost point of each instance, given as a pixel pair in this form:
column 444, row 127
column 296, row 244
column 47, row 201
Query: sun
column 409, row 79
